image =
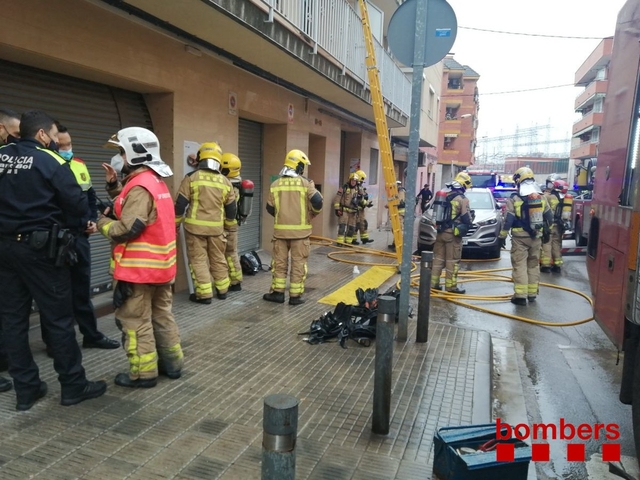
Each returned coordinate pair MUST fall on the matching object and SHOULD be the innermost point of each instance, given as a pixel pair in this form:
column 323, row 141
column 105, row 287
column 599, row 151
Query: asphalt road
column 567, row 372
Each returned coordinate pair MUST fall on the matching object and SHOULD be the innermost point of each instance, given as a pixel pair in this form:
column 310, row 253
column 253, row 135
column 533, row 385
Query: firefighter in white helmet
column 145, row 260
column 528, row 217
column 555, row 194
column 231, row 166
column 205, row 200
column 293, row 202
column 361, row 221
column 452, row 223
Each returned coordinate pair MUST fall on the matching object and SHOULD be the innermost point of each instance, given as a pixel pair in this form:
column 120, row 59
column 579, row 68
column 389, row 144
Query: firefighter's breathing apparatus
column 470, row 276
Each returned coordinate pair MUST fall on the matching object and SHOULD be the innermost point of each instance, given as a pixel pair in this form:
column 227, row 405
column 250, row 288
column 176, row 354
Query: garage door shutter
column 250, row 153
column 92, row 112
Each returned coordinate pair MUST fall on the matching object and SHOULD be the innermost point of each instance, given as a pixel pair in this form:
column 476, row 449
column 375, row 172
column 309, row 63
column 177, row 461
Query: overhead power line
column 510, row 91
column 531, row 34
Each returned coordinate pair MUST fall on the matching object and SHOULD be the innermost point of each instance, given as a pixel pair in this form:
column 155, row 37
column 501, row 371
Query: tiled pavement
column 208, row 424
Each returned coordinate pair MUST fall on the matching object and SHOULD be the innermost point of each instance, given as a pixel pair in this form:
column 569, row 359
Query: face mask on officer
column 66, row 154
column 10, row 137
column 48, row 140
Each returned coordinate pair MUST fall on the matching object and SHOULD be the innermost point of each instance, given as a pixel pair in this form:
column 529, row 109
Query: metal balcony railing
column 335, row 26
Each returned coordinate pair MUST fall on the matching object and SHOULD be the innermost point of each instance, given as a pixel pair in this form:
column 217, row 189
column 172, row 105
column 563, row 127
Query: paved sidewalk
column 208, row 424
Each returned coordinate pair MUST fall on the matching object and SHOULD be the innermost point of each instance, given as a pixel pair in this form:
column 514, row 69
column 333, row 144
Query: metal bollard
column 383, row 366
column 280, row 429
column 424, row 298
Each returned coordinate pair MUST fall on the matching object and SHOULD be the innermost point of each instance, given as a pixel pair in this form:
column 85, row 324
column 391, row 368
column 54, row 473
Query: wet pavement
column 566, row 372
column 208, row 424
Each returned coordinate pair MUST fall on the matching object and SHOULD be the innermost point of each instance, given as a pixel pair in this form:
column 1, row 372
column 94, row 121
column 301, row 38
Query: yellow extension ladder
column 383, row 133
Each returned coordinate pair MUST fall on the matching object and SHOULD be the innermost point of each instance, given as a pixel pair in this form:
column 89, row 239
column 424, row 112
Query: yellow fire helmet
column 210, row 150
column 522, row 174
column 464, row 179
column 230, row 165
column 362, row 175
column 296, row 160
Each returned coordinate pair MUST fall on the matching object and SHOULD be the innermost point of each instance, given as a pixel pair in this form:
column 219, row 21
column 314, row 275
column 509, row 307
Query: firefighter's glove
column 503, row 242
column 473, row 215
column 369, row 205
column 546, row 234
column 121, row 292
column 338, row 212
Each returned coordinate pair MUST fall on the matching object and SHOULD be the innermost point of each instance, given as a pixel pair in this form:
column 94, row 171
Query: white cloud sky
column 513, row 62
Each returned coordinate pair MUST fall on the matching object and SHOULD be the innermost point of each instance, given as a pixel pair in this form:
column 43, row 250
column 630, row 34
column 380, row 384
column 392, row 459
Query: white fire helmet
column 140, row 146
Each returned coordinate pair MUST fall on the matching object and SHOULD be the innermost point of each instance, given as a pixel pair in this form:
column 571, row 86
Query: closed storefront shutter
column 250, row 153
column 92, row 112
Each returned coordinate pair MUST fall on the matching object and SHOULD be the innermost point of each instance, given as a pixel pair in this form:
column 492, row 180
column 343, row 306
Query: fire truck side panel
column 609, row 239
column 610, row 283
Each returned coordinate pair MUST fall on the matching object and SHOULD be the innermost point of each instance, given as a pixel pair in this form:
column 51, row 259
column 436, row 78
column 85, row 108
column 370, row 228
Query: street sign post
column 421, row 33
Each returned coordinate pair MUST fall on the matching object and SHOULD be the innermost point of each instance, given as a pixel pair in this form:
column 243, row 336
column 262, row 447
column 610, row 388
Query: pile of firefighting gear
column 355, row 322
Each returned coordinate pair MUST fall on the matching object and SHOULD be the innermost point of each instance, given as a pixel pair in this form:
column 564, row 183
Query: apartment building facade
column 459, row 107
column 592, row 76
column 260, row 77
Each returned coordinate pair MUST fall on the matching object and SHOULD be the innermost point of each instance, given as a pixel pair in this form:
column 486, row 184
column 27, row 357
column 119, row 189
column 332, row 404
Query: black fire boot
column 519, row 301
column 124, row 380
column 204, row 301
column 555, row 269
column 531, row 298
column 277, row 297
column 545, row 269
column 367, row 240
column 457, row 290
column 355, row 242
column 235, row 288
column 296, row 300
column 221, row 296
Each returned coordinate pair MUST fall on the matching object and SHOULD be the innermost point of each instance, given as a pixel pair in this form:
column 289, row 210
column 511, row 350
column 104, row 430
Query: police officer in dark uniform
column 9, row 132
column 38, row 198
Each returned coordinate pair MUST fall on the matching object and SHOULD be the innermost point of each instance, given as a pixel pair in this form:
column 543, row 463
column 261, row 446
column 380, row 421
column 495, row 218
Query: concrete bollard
column 424, row 298
column 280, row 430
column 383, row 365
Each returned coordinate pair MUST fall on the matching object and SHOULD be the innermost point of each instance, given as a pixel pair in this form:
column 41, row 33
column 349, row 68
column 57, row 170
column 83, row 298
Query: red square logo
column 540, row 452
column 610, row 452
column 505, row 452
column 575, row 452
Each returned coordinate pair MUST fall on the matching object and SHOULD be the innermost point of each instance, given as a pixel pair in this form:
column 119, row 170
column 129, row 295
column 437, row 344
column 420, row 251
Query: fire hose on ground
column 347, row 250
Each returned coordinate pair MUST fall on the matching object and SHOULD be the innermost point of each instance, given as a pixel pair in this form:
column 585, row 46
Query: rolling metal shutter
column 92, row 112
column 250, row 153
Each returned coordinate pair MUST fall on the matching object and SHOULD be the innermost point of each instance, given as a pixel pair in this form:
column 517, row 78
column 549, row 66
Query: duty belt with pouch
column 61, row 246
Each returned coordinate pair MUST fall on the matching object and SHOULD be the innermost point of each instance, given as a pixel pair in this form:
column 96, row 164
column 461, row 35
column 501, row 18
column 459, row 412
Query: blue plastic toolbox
column 452, row 464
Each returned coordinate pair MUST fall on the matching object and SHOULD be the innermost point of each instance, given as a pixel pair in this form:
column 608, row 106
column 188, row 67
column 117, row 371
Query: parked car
column 483, row 235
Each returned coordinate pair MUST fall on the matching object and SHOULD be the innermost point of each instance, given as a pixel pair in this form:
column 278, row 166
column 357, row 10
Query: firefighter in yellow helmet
column 205, row 200
column 231, row 166
column 293, row 202
column 402, row 206
column 345, row 204
column 361, row 221
column 556, row 196
column 453, row 217
column 528, row 217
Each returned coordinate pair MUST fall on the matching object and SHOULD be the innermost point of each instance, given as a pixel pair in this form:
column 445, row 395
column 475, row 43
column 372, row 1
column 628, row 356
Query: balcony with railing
column 597, row 88
column 590, row 120
column 334, row 28
column 585, row 150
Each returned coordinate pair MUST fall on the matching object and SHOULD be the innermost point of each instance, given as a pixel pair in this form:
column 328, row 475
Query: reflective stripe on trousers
column 525, row 261
column 147, row 326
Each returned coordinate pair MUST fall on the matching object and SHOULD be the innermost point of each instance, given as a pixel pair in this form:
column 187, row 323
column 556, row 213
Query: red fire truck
column 612, row 251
